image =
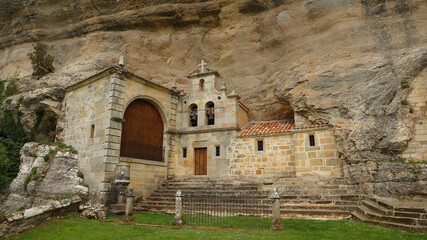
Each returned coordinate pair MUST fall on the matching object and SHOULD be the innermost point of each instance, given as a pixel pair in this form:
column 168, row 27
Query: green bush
column 11, row 87
column 41, row 61
column 404, row 102
column 9, row 161
column 46, row 158
column 80, row 174
column 404, row 82
column 5, row 165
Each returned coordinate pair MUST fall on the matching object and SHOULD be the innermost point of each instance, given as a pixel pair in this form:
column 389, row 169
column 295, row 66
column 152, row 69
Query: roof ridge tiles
column 256, row 128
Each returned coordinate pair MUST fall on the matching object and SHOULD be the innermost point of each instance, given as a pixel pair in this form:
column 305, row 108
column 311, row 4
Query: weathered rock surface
column 56, row 179
column 389, row 179
column 333, row 61
column 41, row 106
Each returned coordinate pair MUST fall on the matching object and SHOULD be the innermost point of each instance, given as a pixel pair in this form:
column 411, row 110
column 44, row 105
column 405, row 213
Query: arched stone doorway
column 142, row 132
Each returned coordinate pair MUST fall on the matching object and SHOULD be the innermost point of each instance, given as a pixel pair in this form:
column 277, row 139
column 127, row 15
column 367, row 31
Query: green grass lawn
column 79, row 228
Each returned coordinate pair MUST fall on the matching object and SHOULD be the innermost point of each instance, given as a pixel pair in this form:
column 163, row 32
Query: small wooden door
column 200, row 161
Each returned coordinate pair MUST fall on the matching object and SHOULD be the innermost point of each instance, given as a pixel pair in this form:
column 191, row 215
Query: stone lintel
column 229, row 129
column 143, row 161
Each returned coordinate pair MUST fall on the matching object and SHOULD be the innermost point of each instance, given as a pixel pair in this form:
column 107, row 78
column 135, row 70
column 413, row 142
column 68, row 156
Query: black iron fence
column 227, row 211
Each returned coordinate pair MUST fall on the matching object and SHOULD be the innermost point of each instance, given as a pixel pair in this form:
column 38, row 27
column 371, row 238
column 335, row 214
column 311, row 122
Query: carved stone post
column 121, row 197
column 179, row 220
column 277, row 224
column 129, row 206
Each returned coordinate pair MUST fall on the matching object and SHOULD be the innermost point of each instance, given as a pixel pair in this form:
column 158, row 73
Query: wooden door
column 200, row 161
column 142, row 132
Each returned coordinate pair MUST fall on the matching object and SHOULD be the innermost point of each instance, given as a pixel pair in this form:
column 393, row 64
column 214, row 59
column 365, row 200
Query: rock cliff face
column 339, row 62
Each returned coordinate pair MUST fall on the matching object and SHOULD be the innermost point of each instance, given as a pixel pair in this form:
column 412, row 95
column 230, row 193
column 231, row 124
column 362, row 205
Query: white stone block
column 32, row 212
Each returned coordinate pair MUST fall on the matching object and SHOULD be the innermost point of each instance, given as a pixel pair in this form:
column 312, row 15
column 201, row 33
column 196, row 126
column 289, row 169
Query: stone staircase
column 300, row 197
column 393, row 213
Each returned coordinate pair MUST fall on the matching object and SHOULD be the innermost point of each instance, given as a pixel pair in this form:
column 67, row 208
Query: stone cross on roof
column 202, row 66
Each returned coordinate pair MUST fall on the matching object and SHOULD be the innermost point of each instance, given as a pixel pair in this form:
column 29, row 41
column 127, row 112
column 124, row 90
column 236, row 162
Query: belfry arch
column 142, row 132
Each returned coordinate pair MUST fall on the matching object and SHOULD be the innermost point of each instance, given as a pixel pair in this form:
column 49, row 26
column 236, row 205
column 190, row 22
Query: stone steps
column 203, row 191
column 295, row 211
column 303, row 197
column 398, row 226
column 384, row 213
column 288, row 198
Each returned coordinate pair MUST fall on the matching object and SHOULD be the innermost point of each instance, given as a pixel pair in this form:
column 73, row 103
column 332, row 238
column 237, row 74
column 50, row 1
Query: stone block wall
column 417, row 99
column 277, row 158
column 285, row 155
column 319, row 160
column 86, row 122
column 145, row 175
column 217, row 166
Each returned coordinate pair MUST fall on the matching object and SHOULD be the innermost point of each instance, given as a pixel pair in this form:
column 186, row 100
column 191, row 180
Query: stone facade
column 229, row 117
column 417, row 99
column 319, row 160
column 285, row 155
column 93, row 112
column 205, row 118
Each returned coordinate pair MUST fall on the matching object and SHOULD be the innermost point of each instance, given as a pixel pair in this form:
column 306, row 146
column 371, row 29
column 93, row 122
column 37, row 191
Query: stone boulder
column 40, row 182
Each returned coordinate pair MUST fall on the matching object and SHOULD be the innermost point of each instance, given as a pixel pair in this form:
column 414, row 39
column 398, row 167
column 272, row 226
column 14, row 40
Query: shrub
column 404, row 82
column 11, row 87
column 32, row 176
column 36, row 177
column 404, row 102
column 20, row 209
column 60, row 145
column 411, row 110
column 85, row 200
column 85, row 185
column 46, row 158
column 4, row 167
column 27, row 181
column 41, row 61
column 9, row 161
column 80, row 174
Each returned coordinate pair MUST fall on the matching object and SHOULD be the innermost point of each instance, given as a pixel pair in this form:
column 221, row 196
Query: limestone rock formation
column 40, row 107
column 39, row 182
column 389, row 178
column 333, row 61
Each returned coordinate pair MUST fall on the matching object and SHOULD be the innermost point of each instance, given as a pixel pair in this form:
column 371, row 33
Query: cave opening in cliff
column 45, row 126
column 283, row 110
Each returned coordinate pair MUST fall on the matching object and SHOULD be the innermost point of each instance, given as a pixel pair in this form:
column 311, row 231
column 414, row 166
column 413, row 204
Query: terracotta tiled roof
column 271, row 127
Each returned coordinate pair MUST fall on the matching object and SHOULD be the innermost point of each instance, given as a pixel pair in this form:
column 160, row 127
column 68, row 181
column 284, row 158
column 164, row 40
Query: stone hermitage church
column 117, row 118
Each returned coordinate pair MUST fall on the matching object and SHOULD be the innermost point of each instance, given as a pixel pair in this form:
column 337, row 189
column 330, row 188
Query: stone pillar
column 277, row 224
column 129, row 206
column 179, row 220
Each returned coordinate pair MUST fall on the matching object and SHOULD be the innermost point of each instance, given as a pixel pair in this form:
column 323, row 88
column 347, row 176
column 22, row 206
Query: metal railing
column 242, row 210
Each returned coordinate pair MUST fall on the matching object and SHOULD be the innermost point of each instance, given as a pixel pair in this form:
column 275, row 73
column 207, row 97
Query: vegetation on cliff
column 12, row 136
column 41, row 61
